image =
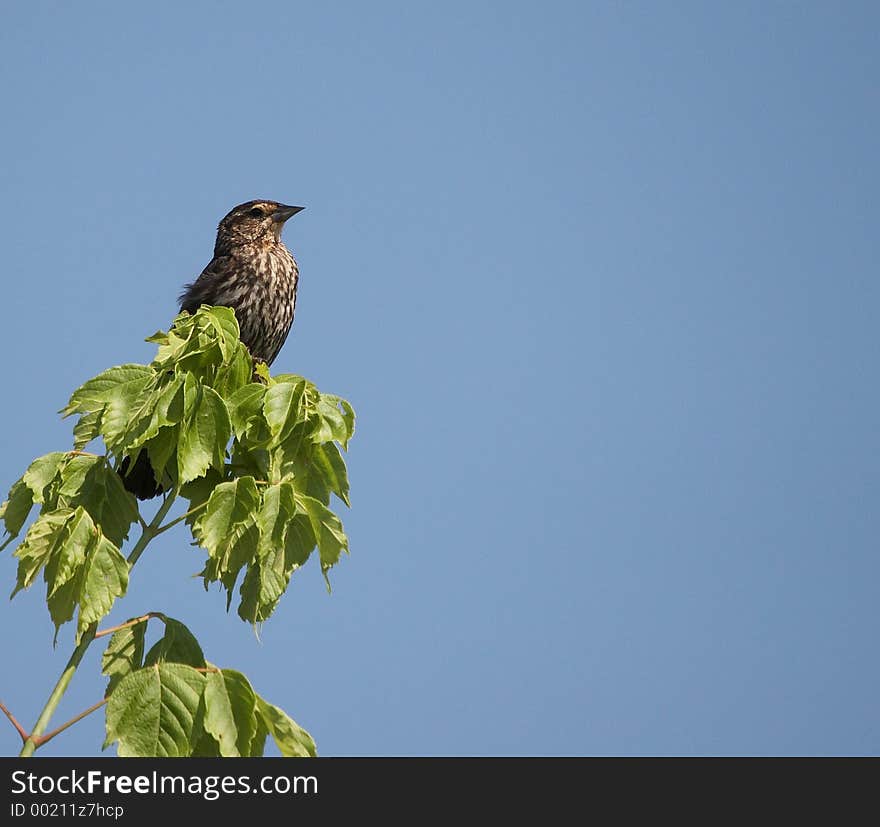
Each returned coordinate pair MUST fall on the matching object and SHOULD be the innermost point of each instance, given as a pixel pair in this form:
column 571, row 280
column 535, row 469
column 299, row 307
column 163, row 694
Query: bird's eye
column 256, row 212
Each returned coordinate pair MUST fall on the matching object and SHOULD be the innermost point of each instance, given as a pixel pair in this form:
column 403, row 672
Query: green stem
column 60, row 688
column 76, row 719
column 152, row 529
column 34, row 739
column 194, row 510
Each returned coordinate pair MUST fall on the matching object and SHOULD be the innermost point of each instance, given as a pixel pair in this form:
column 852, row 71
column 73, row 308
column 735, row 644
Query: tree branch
column 18, row 727
column 41, row 739
column 134, row 622
column 194, row 510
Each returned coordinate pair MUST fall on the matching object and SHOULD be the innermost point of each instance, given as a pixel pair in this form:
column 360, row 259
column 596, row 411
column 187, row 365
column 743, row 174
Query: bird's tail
column 140, row 478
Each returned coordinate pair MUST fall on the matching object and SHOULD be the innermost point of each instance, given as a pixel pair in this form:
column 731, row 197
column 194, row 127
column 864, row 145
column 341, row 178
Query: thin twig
column 128, row 623
column 18, row 727
column 41, row 739
column 194, row 510
column 152, row 529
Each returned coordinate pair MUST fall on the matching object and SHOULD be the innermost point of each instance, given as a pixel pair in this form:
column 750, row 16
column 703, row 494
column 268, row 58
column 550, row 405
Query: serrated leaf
column 227, row 530
column 154, row 712
column 15, row 510
column 87, row 428
column 41, row 473
column 247, row 461
column 128, row 412
column 94, row 394
column 223, row 321
column 331, row 421
column 328, row 464
column 281, row 408
column 69, row 552
column 104, row 578
column 38, row 545
column 62, row 604
column 261, row 589
column 268, row 576
column 160, row 450
column 74, row 470
column 204, row 435
column 124, row 653
column 285, row 543
column 327, row 528
column 246, row 406
column 88, row 481
column 349, row 417
column 198, row 491
column 177, row 645
column 261, row 369
column 291, row 738
column 235, row 373
column 80, row 565
column 155, row 424
column 231, row 504
column 230, row 712
column 277, row 509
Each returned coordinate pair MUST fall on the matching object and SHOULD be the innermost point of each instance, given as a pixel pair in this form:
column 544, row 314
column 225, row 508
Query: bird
column 256, row 275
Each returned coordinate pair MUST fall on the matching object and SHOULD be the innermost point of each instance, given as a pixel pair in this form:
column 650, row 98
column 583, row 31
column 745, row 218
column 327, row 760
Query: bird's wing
column 211, row 283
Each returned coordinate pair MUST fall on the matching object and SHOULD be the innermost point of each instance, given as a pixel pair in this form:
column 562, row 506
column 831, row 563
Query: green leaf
column 277, row 509
column 90, row 482
column 104, row 578
column 222, row 320
column 261, row 589
column 349, row 417
column 198, row 492
column 246, row 409
column 235, row 373
column 38, row 545
column 327, row 463
column 154, row 712
column 282, row 409
column 231, row 504
column 261, row 369
column 177, row 645
column 128, row 412
column 286, row 541
column 15, row 510
column 41, row 473
column 230, row 712
column 87, row 428
column 327, row 528
column 331, row 422
column 227, row 530
column 64, row 567
column 94, row 394
column 204, row 435
column 80, row 565
column 207, row 346
column 124, row 653
column 291, row 738
column 70, row 551
column 161, row 450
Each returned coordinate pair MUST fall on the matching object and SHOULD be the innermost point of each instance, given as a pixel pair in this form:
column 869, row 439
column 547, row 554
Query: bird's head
column 254, row 222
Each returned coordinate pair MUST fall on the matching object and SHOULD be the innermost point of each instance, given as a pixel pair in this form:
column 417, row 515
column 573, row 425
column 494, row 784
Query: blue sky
column 600, row 281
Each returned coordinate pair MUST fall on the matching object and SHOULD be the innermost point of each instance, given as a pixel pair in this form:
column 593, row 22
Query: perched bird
column 253, row 273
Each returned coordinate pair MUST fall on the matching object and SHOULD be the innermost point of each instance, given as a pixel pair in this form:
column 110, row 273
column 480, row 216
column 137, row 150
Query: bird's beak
column 283, row 213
